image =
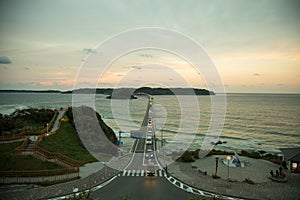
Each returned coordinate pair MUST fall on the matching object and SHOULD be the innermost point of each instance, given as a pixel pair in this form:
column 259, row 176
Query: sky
column 255, row 45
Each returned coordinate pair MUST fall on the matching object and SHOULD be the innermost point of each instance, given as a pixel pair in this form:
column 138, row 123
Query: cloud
column 27, row 68
column 146, row 55
column 256, row 74
column 5, row 60
column 136, row 67
column 45, row 83
column 88, row 50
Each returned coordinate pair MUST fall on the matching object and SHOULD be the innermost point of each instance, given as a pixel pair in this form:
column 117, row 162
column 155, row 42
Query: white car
column 149, row 154
column 149, row 140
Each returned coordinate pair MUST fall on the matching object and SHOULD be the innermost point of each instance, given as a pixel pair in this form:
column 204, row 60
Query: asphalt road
column 141, row 188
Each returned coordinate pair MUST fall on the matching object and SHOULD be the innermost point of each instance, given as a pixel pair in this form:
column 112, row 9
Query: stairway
column 29, row 146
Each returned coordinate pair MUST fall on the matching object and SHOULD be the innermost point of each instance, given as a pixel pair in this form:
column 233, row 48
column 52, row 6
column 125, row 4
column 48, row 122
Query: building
column 292, row 158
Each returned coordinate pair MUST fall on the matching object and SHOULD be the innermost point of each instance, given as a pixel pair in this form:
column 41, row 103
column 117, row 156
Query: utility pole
column 120, row 138
column 228, row 159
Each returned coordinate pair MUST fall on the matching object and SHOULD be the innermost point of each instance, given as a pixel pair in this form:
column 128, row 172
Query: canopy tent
column 234, row 161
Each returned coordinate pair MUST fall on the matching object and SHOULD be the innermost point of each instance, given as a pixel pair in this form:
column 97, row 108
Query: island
column 123, row 93
column 146, row 90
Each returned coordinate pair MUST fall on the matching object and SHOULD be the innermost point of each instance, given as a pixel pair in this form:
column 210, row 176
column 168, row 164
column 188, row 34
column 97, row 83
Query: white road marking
column 181, row 185
column 133, row 154
column 160, row 173
column 189, row 189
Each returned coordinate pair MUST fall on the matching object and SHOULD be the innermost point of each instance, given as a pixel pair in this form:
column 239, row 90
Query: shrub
column 187, row 156
column 219, row 152
column 249, row 181
column 196, row 153
column 250, row 154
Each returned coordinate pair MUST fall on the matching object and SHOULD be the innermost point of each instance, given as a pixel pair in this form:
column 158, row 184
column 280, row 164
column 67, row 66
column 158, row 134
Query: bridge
column 139, row 174
column 144, row 176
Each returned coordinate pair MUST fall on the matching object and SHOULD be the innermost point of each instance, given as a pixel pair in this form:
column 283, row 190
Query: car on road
column 149, row 140
column 149, row 154
column 150, row 170
column 150, row 133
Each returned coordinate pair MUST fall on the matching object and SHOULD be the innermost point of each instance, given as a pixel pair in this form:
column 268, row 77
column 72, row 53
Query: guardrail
column 21, row 148
column 56, row 157
column 50, row 124
column 41, row 176
column 13, row 137
column 28, row 173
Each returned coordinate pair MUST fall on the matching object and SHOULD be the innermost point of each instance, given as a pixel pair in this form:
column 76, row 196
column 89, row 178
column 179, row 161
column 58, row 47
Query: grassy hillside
column 67, row 142
column 9, row 161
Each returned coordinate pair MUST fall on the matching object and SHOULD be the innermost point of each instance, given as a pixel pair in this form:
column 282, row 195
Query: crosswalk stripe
column 160, row 173
column 181, row 185
column 138, row 172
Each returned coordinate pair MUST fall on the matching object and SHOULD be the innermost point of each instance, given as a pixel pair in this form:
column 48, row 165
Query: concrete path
column 56, row 123
column 192, row 174
column 89, row 169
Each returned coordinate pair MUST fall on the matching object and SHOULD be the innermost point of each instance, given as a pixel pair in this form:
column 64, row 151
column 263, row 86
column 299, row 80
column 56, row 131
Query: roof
column 291, row 153
column 296, row 158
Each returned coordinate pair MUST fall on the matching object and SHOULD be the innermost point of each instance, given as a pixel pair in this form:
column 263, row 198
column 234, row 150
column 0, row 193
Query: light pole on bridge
column 228, row 159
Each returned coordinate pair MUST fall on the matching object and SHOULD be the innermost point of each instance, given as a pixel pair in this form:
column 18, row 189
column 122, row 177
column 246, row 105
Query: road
column 133, row 180
column 141, row 188
column 57, row 120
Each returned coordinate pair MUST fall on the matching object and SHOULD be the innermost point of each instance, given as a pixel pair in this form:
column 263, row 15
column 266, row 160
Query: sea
column 252, row 121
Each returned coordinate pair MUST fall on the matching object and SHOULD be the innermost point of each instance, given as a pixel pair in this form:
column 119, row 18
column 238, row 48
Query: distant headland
column 123, row 93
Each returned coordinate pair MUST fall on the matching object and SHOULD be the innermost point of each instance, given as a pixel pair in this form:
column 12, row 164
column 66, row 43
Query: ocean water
column 252, row 122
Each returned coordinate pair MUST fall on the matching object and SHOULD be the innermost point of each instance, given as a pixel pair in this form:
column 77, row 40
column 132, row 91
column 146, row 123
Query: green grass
column 67, row 142
column 7, row 149
column 9, row 161
column 25, row 162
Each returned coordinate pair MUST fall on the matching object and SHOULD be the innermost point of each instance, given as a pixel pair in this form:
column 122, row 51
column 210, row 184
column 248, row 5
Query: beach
column 258, row 171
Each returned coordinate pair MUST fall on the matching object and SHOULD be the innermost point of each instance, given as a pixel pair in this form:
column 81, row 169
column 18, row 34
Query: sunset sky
column 255, row 45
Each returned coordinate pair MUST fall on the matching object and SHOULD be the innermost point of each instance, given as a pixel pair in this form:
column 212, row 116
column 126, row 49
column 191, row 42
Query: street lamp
column 228, row 159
